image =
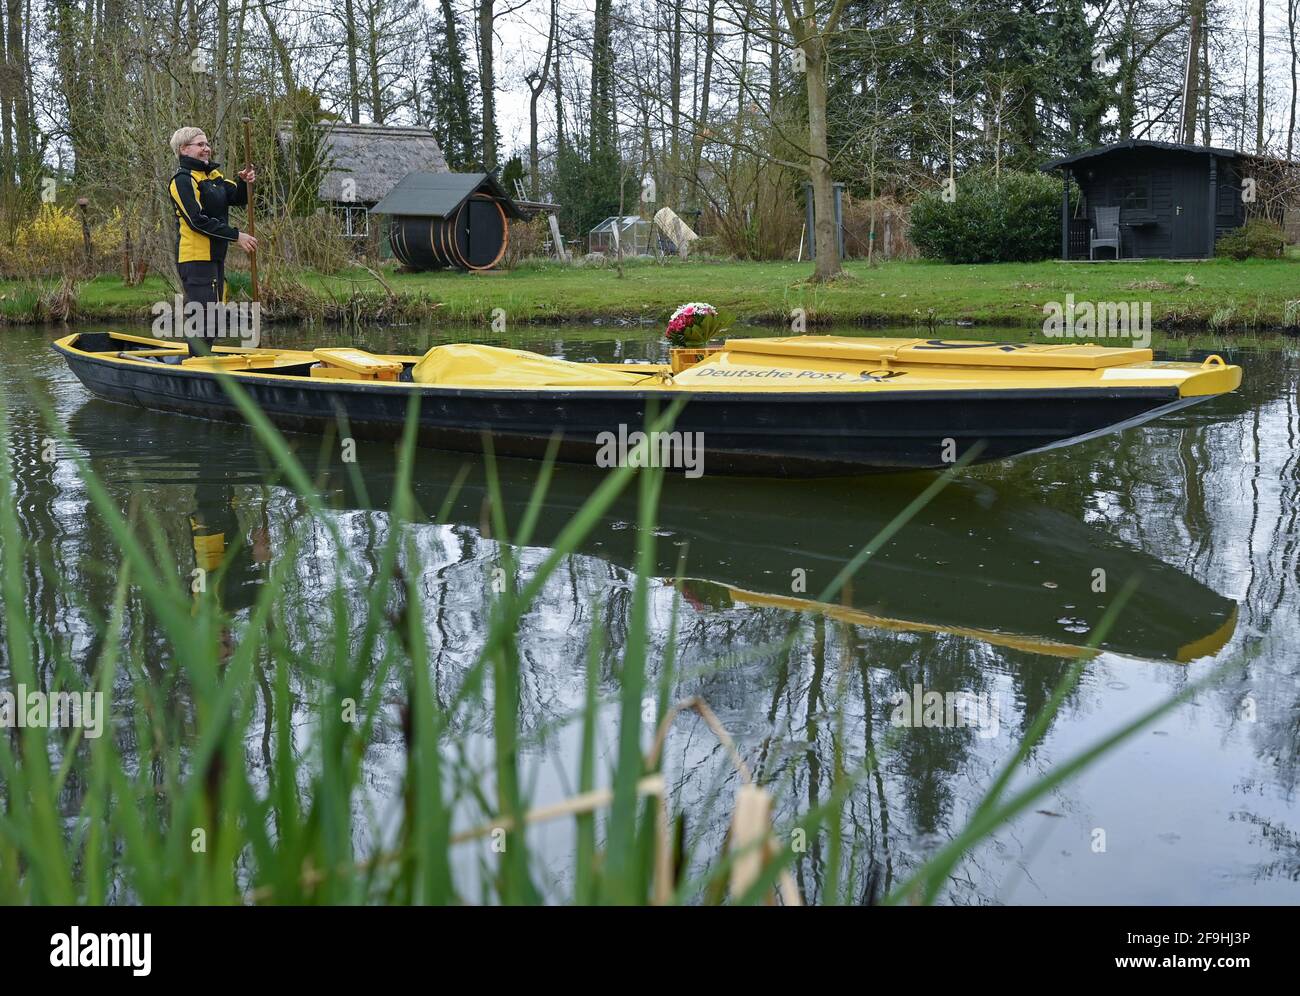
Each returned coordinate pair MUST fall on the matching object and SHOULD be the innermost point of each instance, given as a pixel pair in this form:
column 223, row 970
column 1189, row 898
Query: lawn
column 1224, row 295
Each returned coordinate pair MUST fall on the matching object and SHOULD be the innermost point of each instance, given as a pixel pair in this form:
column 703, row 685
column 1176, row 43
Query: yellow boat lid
column 945, row 352
column 356, row 360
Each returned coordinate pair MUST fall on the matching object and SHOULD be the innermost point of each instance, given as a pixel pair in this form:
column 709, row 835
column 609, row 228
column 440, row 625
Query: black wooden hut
column 1174, row 200
column 459, row 220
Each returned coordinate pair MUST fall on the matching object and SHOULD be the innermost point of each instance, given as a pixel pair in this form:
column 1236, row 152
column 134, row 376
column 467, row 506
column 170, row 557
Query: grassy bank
column 1222, row 295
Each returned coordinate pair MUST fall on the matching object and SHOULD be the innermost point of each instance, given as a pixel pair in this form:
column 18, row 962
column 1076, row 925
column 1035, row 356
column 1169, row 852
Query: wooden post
column 82, row 204
column 1065, row 213
column 839, row 218
column 560, row 251
column 1214, row 203
column 252, row 223
column 808, row 220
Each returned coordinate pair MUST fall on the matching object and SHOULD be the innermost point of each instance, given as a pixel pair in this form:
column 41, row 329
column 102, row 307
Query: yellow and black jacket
column 202, row 199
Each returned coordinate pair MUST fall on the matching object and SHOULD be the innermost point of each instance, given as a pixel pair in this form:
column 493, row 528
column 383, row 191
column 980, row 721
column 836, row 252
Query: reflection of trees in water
column 793, row 712
column 831, row 695
column 1279, row 840
column 1229, row 480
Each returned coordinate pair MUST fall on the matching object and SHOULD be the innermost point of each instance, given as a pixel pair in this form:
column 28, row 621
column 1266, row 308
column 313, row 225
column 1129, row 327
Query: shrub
column 756, row 212
column 1259, row 238
column 891, row 219
column 1012, row 218
column 311, row 242
column 50, row 242
column 527, row 240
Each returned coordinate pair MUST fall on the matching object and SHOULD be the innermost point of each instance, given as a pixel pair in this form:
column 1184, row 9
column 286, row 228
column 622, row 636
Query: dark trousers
column 203, row 283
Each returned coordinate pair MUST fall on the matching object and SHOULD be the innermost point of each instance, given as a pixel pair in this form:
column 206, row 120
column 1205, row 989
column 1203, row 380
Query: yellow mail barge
column 791, row 406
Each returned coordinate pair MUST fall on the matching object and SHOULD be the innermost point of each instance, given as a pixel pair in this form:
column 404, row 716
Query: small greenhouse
column 630, row 232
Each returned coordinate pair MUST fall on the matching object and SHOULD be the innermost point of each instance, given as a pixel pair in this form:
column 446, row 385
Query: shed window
column 1134, row 191
column 355, row 219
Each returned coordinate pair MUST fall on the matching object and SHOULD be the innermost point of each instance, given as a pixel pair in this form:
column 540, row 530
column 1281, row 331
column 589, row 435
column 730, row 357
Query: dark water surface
column 991, row 591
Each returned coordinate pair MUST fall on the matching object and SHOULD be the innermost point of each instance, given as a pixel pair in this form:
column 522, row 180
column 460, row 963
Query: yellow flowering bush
column 51, row 242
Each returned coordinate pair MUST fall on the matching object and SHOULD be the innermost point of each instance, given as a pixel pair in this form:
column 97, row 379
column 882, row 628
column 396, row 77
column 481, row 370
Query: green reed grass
column 291, row 837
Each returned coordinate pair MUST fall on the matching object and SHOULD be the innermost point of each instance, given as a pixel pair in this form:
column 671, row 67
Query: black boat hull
column 786, row 435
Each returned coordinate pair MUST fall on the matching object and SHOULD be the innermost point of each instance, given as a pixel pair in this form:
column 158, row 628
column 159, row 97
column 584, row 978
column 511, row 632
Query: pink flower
column 688, row 316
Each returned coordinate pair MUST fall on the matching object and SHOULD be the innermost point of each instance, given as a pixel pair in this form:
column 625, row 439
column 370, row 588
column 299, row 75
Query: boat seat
column 349, row 363
column 233, row 361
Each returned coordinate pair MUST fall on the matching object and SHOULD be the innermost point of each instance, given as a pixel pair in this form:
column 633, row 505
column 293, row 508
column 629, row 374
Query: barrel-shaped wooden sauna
column 474, row 238
column 456, row 220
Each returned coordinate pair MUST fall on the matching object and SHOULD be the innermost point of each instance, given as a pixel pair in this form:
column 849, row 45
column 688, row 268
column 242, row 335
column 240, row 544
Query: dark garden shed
column 1173, row 201
column 459, row 220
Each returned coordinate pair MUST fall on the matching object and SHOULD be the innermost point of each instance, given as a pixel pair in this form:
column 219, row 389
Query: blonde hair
column 182, row 137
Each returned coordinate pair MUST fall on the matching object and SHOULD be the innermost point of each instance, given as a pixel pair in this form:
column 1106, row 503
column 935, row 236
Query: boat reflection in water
column 975, row 562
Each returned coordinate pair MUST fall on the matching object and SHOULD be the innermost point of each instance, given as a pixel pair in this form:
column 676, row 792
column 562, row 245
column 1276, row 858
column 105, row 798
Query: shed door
column 1191, row 222
column 485, row 232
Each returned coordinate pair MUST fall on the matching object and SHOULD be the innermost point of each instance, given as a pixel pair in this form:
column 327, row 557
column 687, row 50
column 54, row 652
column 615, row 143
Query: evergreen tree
column 587, row 187
column 1083, row 94
column 453, row 110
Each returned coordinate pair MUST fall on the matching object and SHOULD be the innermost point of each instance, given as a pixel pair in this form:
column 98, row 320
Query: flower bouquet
column 694, row 324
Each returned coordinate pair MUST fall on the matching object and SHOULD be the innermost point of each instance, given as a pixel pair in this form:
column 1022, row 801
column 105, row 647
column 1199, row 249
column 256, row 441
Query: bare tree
column 354, row 78
column 1292, row 16
column 1259, row 88
column 487, row 80
column 1192, row 74
column 537, row 82
column 811, row 38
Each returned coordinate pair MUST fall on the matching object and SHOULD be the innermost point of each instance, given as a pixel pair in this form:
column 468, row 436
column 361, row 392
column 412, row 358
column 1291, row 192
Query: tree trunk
column 559, row 96
column 1292, row 9
column 1259, row 89
column 811, row 38
column 1205, row 85
column 773, row 61
column 819, row 164
column 221, row 74
column 669, row 196
column 871, row 234
column 1126, row 103
column 1192, row 74
column 702, row 119
column 279, row 48
column 602, row 84
column 236, row 67
column 487, row 83
column 6, row 108
column 354, row 78
column 64, row 15
column 534, row 94
column 372, row 65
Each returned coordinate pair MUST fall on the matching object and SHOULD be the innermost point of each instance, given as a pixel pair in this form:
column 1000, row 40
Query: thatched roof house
column 366, row 161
